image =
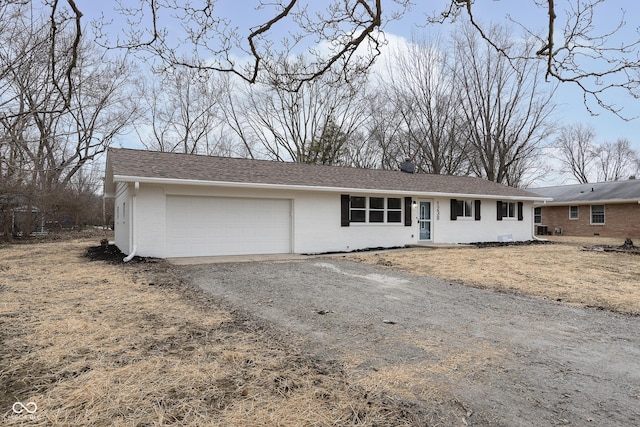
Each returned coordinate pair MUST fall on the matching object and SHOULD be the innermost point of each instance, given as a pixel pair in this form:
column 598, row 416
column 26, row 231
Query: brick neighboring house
column 606, row 209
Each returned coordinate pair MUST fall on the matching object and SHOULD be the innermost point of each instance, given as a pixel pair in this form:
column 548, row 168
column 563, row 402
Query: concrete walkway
column 222, row 259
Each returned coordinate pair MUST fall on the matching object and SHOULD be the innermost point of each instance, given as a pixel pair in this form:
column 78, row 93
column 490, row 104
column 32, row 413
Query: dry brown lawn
column 97, row 344
column 562, row 271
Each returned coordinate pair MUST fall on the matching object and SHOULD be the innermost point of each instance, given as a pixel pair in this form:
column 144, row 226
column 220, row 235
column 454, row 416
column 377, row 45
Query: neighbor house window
column 358, row 209
column 573, row 212
column 394, row 209
column 597, row 214
column 537, row 215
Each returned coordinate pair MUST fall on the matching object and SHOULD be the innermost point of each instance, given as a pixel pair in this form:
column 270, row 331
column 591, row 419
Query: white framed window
column 464, row 209
column 537, row 215
column 508, row 210
column 394, row 210
column 375, row 210
column 597, row 214
column 573, row 212
column 358, row 209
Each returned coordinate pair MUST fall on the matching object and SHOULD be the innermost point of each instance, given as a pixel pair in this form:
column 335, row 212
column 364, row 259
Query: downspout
column 134, row 241
column 533, row 224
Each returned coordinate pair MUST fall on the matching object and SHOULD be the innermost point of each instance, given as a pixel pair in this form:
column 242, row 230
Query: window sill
column 375, row 224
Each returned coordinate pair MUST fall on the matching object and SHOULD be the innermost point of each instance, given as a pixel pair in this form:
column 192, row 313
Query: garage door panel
column 206, row 226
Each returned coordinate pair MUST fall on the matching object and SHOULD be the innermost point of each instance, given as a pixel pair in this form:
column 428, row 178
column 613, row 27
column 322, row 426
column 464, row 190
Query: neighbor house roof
column 126, row 165
column 601, row 192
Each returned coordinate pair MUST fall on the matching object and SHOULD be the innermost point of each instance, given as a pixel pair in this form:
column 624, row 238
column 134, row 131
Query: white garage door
column 207, row 226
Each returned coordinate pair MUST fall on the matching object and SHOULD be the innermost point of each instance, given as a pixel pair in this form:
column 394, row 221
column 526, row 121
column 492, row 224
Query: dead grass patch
column 435, row 376
column 561, row 271
column 94, row 344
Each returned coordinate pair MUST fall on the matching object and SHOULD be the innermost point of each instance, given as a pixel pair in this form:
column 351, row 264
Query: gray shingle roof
column 589, row 193
column 127, row 164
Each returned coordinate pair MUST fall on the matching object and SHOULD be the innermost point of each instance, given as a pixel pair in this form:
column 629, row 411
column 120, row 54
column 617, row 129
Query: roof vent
column 407, row 166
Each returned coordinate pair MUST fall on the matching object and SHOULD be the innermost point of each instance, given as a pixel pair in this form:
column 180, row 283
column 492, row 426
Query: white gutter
column 590, row 202
column 533, row 224
column 133, row 241
column 173, row 181
column 131, row 255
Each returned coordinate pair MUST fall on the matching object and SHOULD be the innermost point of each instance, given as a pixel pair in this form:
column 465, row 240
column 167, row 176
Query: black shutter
column 344, row 210
column 454, row 209
column 407, row 211
column 499, row 208
column 476, row 208
column 520, row 211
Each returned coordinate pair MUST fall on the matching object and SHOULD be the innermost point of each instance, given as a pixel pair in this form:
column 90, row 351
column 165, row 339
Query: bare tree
column 58, row 141
column 79, row 203
column 616, row 160
column 236, row 140
column 588, row 160
column 574, row 47
column 423, row 87
column 363, row 151
column 310, row 125
column 216, row 43
column 576, row 150
column 376, row 143
column 61, row 22
column 183, row 112
column 63, row 103
column 507, row 111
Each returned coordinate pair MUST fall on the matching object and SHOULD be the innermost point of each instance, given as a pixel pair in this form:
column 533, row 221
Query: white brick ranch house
column 178, row 205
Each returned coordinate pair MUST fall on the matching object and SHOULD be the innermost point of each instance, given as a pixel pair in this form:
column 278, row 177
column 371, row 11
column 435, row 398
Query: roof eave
column 228, row 184
column 109, row 188
column 592, row 202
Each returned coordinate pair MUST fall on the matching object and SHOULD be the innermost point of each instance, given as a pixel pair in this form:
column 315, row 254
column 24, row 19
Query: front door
column 424, row 220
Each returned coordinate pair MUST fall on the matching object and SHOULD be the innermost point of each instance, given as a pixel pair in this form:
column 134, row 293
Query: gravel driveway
column 464, row 355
